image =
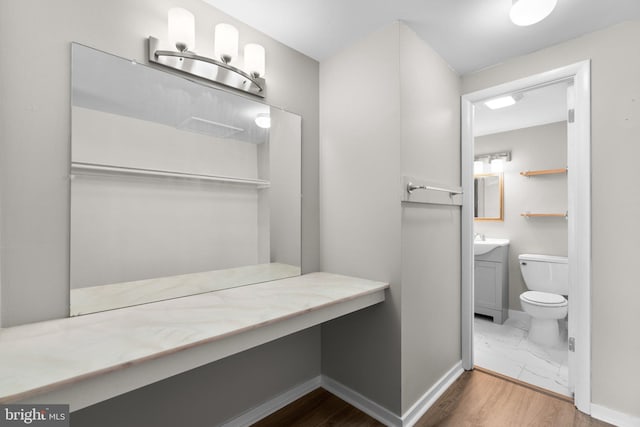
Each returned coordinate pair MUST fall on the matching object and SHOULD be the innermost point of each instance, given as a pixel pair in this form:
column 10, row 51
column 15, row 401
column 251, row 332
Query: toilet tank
column 545, row 273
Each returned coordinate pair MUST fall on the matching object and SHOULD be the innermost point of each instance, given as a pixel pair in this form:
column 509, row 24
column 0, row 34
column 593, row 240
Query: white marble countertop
column 42, row 357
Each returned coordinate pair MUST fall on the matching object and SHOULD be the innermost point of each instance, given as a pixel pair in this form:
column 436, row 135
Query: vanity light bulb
column 254, row 62
column 478, row 167
column 497, row 165
column 181, row 27
column 226, row 42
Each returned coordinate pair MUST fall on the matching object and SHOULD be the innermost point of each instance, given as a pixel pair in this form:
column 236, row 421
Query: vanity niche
column 175, row 188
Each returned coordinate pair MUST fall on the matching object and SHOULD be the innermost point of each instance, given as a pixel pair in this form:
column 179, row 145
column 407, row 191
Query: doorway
column 577, row 77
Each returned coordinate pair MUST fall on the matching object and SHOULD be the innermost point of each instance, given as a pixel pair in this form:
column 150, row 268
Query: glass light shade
column 529, row 12
column 182, row 29
column 263, row 120
column 226, row 42
column 254, row 62
column 497, row 165
column 478, row 167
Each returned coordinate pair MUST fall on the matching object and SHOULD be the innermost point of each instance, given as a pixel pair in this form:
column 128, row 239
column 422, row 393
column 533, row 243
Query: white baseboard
column 269, row 407
column 614, row 417
column 366, row 405
column 352, row 397
column 384, row 415
column 429, row 398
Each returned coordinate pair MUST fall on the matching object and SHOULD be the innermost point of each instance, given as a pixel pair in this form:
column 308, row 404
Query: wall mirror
column 488, row 200
column 177, row 188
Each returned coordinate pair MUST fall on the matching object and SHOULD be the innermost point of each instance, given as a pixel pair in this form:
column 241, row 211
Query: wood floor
column 477, row 398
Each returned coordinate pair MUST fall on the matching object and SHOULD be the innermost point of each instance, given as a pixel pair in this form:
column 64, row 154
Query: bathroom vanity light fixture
column 529, row 12
column 494, row 161
column 181, row 26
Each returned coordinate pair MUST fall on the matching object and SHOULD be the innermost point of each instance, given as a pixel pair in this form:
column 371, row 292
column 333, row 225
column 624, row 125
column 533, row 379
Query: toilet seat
column 544, row 299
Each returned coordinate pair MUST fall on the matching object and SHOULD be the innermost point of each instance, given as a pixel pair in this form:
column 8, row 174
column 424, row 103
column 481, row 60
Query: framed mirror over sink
column 177, row 188
column 488, row 197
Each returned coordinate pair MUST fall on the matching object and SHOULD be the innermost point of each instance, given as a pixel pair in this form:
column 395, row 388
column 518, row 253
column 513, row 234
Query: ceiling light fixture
column 529, row 12
column 181, row 26
column 503, row 101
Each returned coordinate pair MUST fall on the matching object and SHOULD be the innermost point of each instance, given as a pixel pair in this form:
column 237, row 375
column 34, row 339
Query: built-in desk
column 87, row 359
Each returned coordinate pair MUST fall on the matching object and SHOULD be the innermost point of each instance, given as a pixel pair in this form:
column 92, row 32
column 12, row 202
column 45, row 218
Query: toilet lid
column 544, row 298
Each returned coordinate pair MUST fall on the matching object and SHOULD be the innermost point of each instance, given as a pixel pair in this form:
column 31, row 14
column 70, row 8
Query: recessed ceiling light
column 503, row 101
column 529, row 12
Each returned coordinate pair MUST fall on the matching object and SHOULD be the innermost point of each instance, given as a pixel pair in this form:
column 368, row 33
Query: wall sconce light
column 529, row 12
column 181, row 29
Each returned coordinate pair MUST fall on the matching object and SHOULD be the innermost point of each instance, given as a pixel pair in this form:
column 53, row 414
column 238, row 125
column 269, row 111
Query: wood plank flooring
column 318, row 408
column 477, row 398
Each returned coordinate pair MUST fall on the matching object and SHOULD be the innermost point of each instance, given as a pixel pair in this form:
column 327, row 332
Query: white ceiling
column 468, row 34
column 537, row 107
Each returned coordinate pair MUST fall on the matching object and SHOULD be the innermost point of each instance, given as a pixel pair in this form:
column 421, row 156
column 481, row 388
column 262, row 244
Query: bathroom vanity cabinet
column 491, row 283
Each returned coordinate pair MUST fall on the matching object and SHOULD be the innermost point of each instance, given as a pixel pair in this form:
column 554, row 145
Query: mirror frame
column 500, row 176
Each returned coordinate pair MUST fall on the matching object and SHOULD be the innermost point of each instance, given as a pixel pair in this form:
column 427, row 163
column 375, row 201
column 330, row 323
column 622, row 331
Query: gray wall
column 430, row 129
column 214, row 393
column 538, row 147
column 36, row 124
column 615, row 126
column 400, row 117
column 34, row 167
column 360, row 211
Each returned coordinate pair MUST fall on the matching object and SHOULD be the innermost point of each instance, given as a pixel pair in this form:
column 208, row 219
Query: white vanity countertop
column 41, row 357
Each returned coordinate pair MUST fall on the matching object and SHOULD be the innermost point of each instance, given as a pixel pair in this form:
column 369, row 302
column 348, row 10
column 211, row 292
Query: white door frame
column 579, row 201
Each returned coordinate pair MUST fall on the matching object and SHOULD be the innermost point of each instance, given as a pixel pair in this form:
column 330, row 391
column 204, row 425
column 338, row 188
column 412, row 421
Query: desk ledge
column 67, row 360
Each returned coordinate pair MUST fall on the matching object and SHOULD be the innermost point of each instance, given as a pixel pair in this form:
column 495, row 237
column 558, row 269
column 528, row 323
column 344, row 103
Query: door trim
column 579, row 183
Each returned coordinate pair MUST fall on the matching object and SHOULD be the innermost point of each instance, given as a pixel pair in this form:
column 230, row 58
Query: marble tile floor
column 506, row 350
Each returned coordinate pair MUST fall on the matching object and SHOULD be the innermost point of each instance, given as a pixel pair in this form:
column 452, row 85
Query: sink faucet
column 478, row 236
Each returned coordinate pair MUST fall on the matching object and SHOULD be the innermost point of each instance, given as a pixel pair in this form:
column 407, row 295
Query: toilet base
column 545, row 332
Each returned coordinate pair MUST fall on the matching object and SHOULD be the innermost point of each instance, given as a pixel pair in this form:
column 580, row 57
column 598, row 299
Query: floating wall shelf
column 543, row 172
column 94, row 168
column 542, row 215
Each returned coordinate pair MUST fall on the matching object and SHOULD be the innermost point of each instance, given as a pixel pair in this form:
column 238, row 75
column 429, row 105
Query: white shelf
column 95, row 168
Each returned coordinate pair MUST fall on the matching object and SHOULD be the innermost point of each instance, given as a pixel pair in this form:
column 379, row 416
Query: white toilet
column 547, row 278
